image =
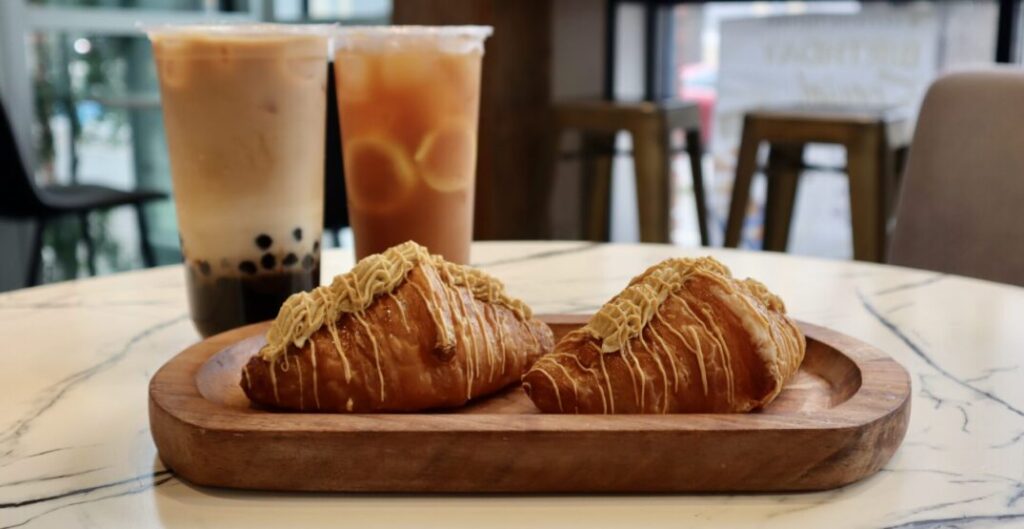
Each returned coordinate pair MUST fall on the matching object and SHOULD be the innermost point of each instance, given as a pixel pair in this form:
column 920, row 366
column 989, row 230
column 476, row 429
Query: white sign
column 879, row 56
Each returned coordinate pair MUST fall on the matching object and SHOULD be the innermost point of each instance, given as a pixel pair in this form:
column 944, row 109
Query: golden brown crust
column 430, row 343
column 684, row 337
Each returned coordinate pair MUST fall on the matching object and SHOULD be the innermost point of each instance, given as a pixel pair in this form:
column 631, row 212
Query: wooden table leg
column 865, row 162
column 695, row 151
column 598, row 155
column 746, row 166
column 653, row 168
column 785, row 162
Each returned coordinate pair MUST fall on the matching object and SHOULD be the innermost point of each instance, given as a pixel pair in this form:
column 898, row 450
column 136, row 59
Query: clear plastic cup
column 244, row 109
column 408, row 102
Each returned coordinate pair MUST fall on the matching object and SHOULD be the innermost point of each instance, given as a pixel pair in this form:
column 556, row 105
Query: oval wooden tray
column 837, row 421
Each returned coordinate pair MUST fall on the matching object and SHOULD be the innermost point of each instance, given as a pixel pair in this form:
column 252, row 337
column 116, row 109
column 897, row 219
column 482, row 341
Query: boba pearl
column 248, row 267
column 264, row 241
column 290, row 259
column 297, row 233
column 316, row 246
column 268, row 261
column 204, row 267
column 307, row 261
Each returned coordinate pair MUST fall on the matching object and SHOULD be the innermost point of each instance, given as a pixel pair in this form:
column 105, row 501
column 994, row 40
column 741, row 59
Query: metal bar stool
column 875, row 140
column 650, row 124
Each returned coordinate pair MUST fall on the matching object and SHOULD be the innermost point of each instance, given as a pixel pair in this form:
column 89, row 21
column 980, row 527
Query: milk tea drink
column 244, row 115
column 408, row 102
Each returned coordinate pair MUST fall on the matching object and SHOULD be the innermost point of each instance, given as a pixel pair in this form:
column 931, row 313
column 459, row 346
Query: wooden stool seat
column 874, row 138
column 650, row 124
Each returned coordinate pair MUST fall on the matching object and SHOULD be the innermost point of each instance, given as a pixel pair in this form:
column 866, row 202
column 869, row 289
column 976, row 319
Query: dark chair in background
column 960, row 207
column 335, row 201
column 21, row 199
column 875, row 140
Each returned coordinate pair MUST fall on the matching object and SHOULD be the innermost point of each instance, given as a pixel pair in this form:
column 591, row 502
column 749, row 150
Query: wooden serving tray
column 839, row 420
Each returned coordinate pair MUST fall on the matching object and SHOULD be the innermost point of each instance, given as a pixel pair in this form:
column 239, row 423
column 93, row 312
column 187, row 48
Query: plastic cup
column 408, row 103
column 244, row 109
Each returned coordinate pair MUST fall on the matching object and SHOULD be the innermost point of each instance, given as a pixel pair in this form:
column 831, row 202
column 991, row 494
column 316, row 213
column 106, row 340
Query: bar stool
column 875, row 140
column 650, row 124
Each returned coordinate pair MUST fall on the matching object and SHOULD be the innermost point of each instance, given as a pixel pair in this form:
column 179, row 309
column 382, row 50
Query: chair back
column 961, row 209
column 18, row 195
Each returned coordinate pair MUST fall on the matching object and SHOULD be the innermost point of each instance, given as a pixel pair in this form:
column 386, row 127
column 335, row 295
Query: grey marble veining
column 75, row 360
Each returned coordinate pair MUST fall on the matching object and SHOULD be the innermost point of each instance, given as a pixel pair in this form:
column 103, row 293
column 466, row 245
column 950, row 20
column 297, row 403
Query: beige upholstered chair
column 961, row 209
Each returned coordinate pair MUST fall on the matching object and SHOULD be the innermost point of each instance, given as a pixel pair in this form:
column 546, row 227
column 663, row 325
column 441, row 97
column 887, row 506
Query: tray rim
column 875, row 399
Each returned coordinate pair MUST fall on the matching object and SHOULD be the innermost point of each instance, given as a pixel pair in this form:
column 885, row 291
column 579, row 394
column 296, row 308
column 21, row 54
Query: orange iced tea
column 408, row 101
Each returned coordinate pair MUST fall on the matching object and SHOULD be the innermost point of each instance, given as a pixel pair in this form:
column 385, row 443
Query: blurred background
column 79, row 85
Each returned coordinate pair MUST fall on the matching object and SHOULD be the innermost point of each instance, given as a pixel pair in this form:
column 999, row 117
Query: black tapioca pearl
column 248, row 267
column 204, row 267
column 264, row 241
column 268, row 261
column 297, row 233
column 307, row 261
column 316, row 246
column 290, row 259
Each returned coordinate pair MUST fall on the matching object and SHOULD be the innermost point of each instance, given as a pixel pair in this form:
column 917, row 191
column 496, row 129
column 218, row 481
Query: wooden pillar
column 514, row 106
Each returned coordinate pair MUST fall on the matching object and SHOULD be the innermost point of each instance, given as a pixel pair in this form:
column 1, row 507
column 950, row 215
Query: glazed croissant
column 684, row 336
column 403, row 331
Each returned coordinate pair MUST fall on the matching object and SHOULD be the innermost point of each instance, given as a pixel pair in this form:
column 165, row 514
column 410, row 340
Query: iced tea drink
column 244, row 110
column 408, row 102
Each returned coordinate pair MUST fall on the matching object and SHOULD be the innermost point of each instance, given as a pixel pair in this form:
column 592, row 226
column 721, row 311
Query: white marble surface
column 75, row 359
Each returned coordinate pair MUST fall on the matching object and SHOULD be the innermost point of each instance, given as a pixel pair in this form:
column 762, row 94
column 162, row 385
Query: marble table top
column 75, row 360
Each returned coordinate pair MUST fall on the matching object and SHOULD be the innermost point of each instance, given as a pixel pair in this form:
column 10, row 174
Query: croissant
column 683, row 337
column 403, row 331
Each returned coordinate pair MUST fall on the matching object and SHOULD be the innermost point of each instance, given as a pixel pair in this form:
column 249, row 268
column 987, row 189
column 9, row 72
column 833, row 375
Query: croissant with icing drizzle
column 684, row 336
column 402, row 331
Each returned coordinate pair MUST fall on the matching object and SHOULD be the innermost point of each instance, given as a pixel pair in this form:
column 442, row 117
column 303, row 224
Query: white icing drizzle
column 401, row 310
column 638, row 393
column 273, row 381
column 245, row 376
column 661, row 368
column 445, row 333
column 668, row 353
column 312, row 359
column 485, row 333
column 554, row 385
column 472, row 359
column 491, row 315
column 575, row 387
column 611, row 393
column 695, row 347
column 298, row 367
column 376, row 352
column 332, row 329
